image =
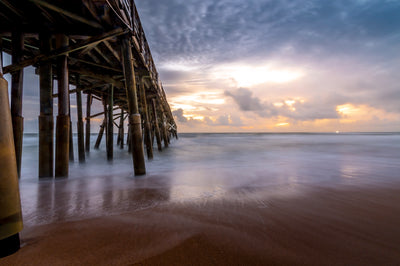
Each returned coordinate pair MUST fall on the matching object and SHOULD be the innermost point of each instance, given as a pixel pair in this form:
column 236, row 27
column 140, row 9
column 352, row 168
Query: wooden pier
column 98, row 46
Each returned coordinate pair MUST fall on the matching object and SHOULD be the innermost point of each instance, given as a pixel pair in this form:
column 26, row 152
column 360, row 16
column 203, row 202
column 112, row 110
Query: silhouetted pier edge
column 98, row 46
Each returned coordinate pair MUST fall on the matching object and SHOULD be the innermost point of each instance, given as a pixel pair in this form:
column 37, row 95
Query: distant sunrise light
column 282, row 124
column 247, row 76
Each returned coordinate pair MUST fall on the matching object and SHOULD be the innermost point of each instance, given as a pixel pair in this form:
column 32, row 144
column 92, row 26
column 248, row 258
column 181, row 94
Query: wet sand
column 320, row 225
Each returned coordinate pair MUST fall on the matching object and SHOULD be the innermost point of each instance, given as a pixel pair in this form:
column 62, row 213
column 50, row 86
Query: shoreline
column 324, row 225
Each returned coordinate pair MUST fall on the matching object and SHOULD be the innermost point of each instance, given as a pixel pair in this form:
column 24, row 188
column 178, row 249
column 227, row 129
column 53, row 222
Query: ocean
column 219, row 199
column 205, row 167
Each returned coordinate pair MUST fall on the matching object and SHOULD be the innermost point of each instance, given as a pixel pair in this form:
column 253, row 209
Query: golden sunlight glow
column 246, row 76
column 191, row 102
column 186, row 107
column 351, row 113
column 347, row 109
column 195, row 117
column 282, row 124
column 290, row 102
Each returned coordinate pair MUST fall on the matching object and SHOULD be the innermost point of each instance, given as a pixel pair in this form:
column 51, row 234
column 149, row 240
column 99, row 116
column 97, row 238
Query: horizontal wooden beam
column 102, row 113
column 67, row 13
column 69, row 49
column 96, row 75
column 111, row 49
column 95, row 64
column 12, row 8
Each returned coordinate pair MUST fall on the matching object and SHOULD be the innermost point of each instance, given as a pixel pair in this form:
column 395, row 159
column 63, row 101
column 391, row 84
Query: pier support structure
column 63, row 119
column 100, row 136
column 81, row 45
column 16, row 96
column 164, row 130
column 147, row 137
column 134, row 116
column 81, row 140
column 71, row 135
column 46, row 120
column 110, row 124
column 89, row 100
column 10, row 203
column 156, row 123
column 121, row 131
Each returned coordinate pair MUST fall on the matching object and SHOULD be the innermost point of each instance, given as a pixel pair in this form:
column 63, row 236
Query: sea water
column 200, row 167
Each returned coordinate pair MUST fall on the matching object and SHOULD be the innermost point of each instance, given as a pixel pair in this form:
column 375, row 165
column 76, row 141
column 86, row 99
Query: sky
column 270, row 65
column 277, row 66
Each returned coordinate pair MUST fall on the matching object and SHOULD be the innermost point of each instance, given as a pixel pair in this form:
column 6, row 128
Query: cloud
column 297, row 110
column 214, row 31
column 244, row 98
column 222, row 120
column 178, row 114
column 347, row 51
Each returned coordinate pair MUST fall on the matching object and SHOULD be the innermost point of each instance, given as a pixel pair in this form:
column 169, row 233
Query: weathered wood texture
column 147, row 139
column 110, row 124
column 81, row 140
column 134, row 116
column 89, row 100
column 16, row 96
column 46, row 120
column 63, row 119
column 156, row 123
column 107, row 45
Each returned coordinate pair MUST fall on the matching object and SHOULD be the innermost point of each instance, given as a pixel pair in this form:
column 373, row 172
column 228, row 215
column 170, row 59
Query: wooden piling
column 100, row 136
column 152, row 132
column 10, row 203
column 156, row 127
column 121, row 130
column 16, row 96
column 110, row 124
column 103, row 53
column 63, row 120
column 88, row 111
column 81, row 141
column 71, row 136
column 134, row 116
column 147, row 139
column 164, row 130
column 128, row 139
column 46, row 120
column 105, row 113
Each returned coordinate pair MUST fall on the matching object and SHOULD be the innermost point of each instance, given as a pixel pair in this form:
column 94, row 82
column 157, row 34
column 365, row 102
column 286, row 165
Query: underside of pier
column 100, row 48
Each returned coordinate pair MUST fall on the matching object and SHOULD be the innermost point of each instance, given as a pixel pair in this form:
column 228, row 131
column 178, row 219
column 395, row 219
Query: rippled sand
column 248, row 226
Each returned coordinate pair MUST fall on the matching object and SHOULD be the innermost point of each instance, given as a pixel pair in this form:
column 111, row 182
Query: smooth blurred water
column 207, row 166
column 232, row 159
